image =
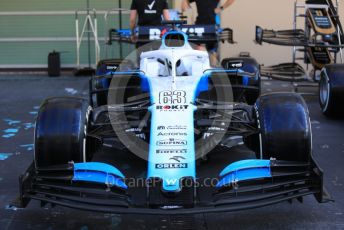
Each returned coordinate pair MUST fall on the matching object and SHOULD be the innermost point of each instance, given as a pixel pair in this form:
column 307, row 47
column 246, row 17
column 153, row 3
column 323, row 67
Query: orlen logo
column 171, row 166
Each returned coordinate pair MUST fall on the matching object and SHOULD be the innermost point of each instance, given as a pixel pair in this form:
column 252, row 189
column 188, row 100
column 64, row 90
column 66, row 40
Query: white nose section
column 172, row 145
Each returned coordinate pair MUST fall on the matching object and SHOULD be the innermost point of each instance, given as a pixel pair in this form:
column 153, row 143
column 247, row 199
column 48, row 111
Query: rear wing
column 196, row 33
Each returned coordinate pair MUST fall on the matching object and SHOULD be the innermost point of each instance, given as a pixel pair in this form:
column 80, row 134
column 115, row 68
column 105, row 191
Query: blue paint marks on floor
column 8, row 135
column 11, row 122
column 29, row 147
column 4, row 156
column 29, row 126
column 33, row 112
column 11, row 130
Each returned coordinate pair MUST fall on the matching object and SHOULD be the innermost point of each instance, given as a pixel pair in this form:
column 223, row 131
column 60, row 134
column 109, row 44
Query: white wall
column 244, row 15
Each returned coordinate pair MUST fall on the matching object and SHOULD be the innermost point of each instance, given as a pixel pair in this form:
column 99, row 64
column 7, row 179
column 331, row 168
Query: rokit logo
column 171, row 142
column 172, row 134
column 150, row 8
column 154, row 34
column 197, row 31
column 171, row 166
column 172, row 107
column 171, row 151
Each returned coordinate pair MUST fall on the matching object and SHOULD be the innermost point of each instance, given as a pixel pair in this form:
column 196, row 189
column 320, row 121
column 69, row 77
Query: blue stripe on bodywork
column 100, row 173
column 144, row 83
column 245, row 80
column 242, row 175
column 245, row 164
column 244, row 170
column 95, row 166
column 203, row 85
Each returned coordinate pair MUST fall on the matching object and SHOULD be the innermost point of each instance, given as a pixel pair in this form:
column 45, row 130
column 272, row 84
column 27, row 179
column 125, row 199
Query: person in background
column 207, row 12
column 147, row 13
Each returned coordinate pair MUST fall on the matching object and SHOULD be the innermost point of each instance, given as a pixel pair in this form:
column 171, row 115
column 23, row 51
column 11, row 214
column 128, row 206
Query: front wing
column 242, row 185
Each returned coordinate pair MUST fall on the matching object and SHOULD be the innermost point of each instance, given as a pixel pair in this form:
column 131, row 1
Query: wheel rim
column 324, row 91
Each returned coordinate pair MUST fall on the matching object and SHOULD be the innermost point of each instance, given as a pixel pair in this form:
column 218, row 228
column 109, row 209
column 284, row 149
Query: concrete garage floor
column 19, row 100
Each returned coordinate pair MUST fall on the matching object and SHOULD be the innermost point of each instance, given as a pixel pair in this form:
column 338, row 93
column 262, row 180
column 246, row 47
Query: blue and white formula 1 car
column 172, row 112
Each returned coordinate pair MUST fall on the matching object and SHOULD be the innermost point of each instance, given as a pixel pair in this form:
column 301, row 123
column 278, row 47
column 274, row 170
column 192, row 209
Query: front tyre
column 285, row 129
column 61, row 132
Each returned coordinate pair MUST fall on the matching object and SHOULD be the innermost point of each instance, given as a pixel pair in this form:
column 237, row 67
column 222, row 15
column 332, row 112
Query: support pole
column 120, row 27
column 88, row 34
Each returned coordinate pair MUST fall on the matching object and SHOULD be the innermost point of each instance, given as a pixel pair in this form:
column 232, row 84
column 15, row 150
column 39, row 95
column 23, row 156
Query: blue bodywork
column 99, row 173
column 244, row 170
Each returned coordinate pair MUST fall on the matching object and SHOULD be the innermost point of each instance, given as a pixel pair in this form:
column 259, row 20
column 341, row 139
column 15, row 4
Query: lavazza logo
column 171, row 142
column 171, row 151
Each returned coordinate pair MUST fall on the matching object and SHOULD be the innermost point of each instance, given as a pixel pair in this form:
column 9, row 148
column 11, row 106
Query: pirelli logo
column 171, row 151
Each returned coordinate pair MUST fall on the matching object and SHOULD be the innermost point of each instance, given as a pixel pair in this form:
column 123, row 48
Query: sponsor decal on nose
column 171, row 166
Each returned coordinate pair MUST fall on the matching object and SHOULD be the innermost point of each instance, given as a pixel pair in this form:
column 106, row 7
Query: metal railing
column 77, row 39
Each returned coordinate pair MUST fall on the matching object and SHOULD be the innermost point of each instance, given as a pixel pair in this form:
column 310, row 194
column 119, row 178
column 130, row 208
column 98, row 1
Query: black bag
column 54, row 64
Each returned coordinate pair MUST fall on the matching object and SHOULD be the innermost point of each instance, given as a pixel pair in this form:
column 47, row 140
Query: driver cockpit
column 174, row 58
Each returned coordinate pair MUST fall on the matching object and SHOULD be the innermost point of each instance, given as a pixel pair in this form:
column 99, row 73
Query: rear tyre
column 106, row 67
column 331, row 90
column 246, row 88
column 285, row 129
column 61, row 132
